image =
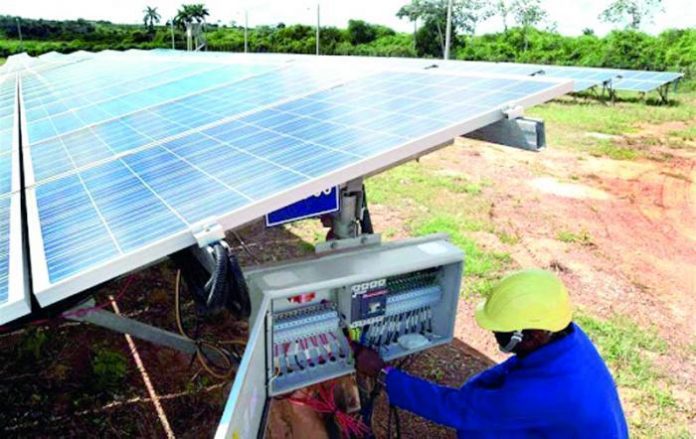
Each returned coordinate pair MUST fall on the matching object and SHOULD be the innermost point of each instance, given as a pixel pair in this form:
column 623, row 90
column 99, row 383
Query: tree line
column 527, row 36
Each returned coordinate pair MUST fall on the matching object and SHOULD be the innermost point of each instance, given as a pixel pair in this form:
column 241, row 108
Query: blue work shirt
column 561, row 390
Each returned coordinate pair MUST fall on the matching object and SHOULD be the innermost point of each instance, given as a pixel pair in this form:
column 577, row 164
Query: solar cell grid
column 5, row 201
column 57, row 120
column 100, row 141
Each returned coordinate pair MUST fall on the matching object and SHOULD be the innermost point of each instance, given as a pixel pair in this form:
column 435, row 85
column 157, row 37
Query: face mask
column 509, row 346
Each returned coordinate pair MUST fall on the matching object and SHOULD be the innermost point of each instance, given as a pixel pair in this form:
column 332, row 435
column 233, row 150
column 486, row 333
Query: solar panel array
column 584, row 77
column 125, row 153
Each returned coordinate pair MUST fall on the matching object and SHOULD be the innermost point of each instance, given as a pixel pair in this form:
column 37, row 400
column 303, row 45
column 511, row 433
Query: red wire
column 326, row 403
column 79, row 312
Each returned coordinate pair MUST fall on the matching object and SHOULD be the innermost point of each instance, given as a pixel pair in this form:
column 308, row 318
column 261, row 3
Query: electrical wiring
column 368, row 403
column 223, row 372
column 326, row 403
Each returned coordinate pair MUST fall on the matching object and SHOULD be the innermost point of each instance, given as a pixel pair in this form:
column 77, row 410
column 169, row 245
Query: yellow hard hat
column 527, row 299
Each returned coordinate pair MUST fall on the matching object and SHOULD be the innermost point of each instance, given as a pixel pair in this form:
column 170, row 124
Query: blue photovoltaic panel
column 4, row 250
column 643, row 81
column 7, row 108
column 14, row 301
column 122, row 177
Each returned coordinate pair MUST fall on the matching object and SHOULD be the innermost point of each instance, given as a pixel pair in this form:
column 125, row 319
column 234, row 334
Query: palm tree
column 151, row 17
column 190, row 13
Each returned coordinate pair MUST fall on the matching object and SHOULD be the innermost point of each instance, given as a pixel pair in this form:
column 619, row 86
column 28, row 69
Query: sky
column 571, row 16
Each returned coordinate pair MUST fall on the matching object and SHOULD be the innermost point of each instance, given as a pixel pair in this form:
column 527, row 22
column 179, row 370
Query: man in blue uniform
column 555, row 386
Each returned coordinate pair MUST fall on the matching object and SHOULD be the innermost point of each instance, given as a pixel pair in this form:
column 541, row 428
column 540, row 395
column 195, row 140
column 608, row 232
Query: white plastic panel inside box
column 398, row 298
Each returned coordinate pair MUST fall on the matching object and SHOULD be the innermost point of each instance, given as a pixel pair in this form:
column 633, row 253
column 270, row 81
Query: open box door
column 245, row 412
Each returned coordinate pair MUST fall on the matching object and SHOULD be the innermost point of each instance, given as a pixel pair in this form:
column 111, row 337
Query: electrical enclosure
column 398, row 298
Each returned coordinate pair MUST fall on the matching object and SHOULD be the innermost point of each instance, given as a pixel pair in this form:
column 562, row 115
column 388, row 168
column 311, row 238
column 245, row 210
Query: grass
column 437, row 202
column 686, row 134
column 582, row 237
column 479, row 263
column 614, row 119
column 571, row 123
column 609, row 149
column 628, row 350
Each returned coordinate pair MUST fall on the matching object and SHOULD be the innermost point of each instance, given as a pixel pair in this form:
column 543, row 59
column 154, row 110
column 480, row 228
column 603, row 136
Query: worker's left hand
column 368, row 361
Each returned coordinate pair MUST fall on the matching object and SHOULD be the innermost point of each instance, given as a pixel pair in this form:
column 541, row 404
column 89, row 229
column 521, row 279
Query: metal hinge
column 513, row 112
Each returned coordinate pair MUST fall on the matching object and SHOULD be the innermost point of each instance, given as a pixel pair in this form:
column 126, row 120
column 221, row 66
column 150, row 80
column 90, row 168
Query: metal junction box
column 398, row 298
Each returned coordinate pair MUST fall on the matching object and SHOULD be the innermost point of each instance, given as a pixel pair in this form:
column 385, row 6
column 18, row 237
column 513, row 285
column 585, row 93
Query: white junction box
column 398, row 298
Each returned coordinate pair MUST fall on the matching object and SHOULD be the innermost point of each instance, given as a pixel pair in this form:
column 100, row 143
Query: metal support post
column 19, row 31
column 189, row 37
column 663, row 91
column 86, row 312
column 246, row 31
column 448, row 31
column 318, row 27
column 345, row 222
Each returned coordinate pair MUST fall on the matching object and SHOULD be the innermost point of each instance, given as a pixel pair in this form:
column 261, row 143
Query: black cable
column 225, row 287
column 397, row 422
column 239, row 300
column 216, row 286
column 369, row 406
column 366, row 221
column 389, row 421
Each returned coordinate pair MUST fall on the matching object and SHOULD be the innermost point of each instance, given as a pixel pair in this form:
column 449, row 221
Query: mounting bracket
column 345, row 244
column 85, row 312
column 345, row 222
column 207, row 231
column 522, row 132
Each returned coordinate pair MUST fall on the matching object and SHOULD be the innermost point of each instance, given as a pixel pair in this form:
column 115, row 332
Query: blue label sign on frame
column 318, row 204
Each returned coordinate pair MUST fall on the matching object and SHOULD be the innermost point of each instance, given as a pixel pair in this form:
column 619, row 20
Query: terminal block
column 308, row 347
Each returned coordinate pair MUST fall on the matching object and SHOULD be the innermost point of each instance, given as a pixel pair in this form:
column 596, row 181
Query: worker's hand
column 368, row 361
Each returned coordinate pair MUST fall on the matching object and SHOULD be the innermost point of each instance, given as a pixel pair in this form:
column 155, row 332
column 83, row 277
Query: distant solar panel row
column 584, row 77
column 118, row 178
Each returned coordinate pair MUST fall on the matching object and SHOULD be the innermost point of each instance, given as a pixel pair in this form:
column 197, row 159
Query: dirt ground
column 633, row 253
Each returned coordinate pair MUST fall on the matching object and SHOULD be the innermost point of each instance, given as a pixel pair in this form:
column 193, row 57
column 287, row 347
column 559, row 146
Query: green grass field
column 570, row 120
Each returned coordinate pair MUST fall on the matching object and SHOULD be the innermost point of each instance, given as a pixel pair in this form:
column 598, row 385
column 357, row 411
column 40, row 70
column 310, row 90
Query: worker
column 555, row 386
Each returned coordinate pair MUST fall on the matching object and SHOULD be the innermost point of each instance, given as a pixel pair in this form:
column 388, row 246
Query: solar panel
column 14, row 299
column 122, row 161
column 643, row 81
